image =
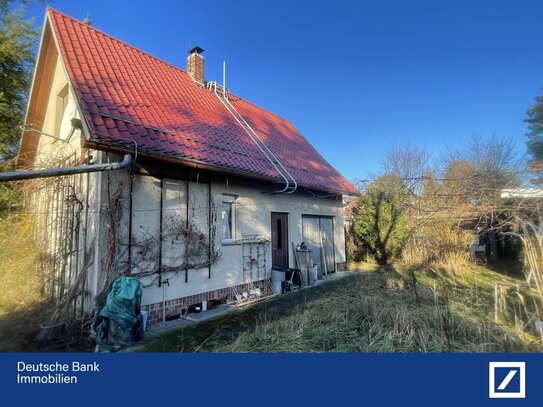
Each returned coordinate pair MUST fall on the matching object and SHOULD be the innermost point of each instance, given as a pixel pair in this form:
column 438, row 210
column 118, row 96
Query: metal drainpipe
column 58, row 172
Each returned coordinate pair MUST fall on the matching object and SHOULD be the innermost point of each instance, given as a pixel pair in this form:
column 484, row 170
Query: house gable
column 51, row 105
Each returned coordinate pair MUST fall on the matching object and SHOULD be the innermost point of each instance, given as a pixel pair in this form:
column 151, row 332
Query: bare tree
column 409, row 163
column 495, row 164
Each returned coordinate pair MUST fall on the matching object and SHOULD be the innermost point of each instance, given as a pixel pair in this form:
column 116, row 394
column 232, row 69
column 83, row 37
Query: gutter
column 197, row 164
column 185, row 161
column 58, row 172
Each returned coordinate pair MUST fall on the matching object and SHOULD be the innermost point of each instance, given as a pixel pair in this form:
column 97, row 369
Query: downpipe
column 59, row 172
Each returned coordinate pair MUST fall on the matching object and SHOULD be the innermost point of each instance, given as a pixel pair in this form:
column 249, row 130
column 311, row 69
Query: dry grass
column 21, row 306
column 18, row 277
column 385, row 320
column 454, row 263
column 439, row 241
column 368, row 312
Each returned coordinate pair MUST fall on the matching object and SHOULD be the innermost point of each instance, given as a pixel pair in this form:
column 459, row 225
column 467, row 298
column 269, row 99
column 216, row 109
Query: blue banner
column 132, row 379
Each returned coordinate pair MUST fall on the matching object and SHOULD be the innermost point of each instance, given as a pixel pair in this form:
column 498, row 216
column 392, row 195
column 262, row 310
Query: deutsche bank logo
column 506, row 380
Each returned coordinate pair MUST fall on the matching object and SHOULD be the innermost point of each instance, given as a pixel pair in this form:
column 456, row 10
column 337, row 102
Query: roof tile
column 111, row 77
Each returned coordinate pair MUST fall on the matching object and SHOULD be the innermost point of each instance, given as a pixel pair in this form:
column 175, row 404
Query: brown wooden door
column 279, row 236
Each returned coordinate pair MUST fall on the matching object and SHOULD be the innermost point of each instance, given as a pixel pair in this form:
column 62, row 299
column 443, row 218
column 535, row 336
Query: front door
column 279, row 236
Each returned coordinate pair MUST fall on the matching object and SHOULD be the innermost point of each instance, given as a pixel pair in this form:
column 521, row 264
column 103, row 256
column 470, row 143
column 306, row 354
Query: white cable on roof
column 290, row 183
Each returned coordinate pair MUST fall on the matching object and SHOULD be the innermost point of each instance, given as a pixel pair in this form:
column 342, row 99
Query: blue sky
column 355, row 77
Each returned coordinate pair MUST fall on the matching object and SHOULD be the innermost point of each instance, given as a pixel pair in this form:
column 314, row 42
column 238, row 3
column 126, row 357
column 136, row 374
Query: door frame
column 333, row 218
column 287, row 234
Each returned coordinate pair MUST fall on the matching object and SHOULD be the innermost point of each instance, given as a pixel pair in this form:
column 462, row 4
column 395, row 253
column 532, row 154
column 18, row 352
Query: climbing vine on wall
column 145, row 255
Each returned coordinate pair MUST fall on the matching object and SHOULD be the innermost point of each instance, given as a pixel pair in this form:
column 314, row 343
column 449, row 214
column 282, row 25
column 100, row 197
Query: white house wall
column 253, row 217
column 92, row 229
column 146, row 214
column 49, row 195
column 50, row 148
column 174, row 209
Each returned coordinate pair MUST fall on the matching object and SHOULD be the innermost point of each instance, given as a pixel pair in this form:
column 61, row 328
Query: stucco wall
column 253, row 217
column 48, row 200
column 50, row 149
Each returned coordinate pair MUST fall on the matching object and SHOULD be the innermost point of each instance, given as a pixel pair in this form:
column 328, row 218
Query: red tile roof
column 128, row 95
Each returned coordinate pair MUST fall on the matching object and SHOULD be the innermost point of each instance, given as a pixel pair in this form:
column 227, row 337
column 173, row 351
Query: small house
column 180, row 182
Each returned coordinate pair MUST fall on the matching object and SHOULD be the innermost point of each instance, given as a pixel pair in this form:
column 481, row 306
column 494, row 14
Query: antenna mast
column 224, row 79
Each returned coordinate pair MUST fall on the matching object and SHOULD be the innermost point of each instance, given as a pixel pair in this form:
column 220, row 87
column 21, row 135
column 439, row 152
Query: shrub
column 379, row 223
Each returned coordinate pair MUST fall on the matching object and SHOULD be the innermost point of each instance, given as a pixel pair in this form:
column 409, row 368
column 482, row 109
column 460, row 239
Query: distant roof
column 129, row 97
column 526, row 193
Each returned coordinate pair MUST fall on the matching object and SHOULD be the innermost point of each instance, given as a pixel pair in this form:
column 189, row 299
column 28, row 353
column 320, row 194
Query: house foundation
column 178, row 307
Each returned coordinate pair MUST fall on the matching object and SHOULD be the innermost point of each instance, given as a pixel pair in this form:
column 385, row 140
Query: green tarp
column 119, row 315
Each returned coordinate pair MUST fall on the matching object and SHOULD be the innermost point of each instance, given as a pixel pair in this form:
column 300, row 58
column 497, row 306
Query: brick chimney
column 195, row 65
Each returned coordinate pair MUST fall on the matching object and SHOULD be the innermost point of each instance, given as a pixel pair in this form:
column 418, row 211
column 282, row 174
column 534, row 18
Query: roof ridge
column 88, row 26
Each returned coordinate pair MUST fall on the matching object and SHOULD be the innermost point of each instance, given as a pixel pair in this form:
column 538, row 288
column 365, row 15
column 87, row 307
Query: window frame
column 60, row 107
column 229, row 199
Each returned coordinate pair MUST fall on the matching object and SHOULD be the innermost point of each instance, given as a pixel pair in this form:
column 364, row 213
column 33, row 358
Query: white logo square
column 517, row 371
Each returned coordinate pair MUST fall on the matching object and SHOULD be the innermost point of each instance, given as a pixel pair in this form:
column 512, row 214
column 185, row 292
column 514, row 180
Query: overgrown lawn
column 369, row 311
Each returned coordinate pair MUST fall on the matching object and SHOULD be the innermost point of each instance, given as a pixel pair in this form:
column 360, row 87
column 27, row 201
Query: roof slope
column 130, row 96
